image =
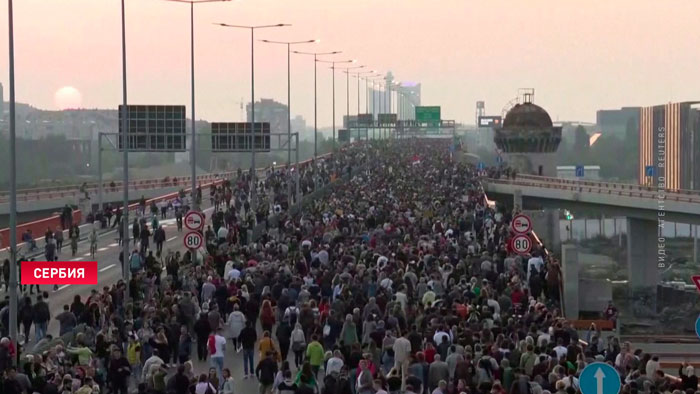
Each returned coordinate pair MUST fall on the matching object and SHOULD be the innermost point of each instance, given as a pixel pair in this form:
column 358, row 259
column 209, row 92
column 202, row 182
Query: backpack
column 293, row 311
column 135, row 262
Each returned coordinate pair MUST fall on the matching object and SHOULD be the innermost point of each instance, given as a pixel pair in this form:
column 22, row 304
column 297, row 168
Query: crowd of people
column 397, row 279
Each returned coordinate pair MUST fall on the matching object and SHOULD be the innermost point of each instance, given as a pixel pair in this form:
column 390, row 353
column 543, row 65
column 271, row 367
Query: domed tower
column 528, row 139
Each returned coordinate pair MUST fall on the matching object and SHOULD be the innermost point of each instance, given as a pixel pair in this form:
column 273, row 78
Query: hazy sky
column 580, row 56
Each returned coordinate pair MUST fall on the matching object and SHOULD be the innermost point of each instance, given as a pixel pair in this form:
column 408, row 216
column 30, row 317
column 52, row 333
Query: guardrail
column 38, row 227
column 604, row 184
column 640, row 193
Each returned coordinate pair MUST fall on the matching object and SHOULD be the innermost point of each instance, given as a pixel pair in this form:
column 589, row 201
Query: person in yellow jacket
column 267, row 345
column 133, row 355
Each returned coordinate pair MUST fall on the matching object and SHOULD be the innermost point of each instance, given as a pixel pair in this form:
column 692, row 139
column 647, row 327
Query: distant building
column 381, row 102
column 528, row 139
column 614, row 121
column 669, row 145
column 2, row 101
column 269, row 110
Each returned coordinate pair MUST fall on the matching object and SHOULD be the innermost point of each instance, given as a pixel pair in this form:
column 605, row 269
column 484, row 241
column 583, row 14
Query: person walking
column 265, row 372
column 41, row 315
column 74, row 235
column 159, row 239
column 235, row 323
column 298, row 344
column 58, row 236
column 217, row 351
column 315, row 354
column 202, row 329
column 93, row 243
column 248, row 338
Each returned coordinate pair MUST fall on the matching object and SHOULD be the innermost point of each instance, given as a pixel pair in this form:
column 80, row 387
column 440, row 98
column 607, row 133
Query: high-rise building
column 269, row 110
column 669, row 146
column 615, row 121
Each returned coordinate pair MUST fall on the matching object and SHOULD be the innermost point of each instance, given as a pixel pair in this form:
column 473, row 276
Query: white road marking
column 76, row 259
column 113, row 245
column 107, row 267
column 87, row 254
column 62, row 287
column 170, row 239
column 102, row 249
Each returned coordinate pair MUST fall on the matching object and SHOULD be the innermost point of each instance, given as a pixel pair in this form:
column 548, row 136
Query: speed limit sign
column 193, row 240
column 521, row 244
column 521, row 224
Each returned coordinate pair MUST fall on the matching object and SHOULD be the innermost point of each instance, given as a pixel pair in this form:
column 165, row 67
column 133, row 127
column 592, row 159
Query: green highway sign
column 428, row 114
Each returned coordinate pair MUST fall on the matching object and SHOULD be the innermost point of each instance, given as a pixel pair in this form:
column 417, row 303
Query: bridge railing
column 599, row 188
column 605, row 184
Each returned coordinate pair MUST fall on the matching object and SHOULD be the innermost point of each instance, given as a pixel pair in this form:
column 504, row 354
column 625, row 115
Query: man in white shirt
column 402, row 356
column 233, row 274
column 560, row 349
column 153, row 360
column 544, row 338
column 222, row 234
column 335, row 363
column 217, row 358
column 536, row 262
column 439, row 334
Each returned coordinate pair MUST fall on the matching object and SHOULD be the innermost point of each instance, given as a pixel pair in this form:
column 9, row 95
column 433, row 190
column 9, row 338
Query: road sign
column 499, row 159
column 154, row 128
column 697, row 327
column 193, row 240
column 579, row 171
column 696, row 281
column 430, row 115
column 490, row 121
column 480, row 166
column 521, row 244
column 521, row 224
column 599, row 378
column 238, row 136
column 649, row 171
column 194, row 220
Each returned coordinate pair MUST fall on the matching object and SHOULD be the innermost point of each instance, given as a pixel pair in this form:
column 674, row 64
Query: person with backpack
column 217, row 348
column 298, row 344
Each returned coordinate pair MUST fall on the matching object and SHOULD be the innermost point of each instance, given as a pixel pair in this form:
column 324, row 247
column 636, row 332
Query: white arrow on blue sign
column 499, row 159
column 649, row 171
column 579, row 171
column 599, row 378
column 480, row 166
column 697, row 327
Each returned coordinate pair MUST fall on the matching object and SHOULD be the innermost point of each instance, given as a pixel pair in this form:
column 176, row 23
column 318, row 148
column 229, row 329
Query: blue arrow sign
column 499, row 159
column 599, row 378
column 480, row 166
column 579, row 171
column 697, row 327
column 649, row 171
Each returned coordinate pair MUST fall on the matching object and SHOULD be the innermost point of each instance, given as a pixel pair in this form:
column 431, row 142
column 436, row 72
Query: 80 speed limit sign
column 521, row 244
column 193, row 240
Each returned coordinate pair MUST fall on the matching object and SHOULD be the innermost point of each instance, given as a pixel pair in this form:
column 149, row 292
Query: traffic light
column 568, row 215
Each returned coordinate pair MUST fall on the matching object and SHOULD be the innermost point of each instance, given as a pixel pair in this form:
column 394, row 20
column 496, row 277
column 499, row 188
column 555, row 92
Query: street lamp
column 12, row 288
column 252, row 96
column 367, row 79
column 347, row 89
column 289, row 105
column 315, row 54
column 357, row 75
column 195, row 200
column 333, row 63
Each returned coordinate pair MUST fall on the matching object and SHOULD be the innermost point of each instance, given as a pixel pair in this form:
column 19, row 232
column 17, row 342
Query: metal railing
column 599, row 188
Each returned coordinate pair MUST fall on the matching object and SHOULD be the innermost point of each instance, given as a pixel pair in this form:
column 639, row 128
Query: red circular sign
column 521, row 244
column 521, row 224
column 193, row 240
column 194, row 220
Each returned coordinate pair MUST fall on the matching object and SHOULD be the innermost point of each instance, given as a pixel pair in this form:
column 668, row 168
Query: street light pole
column 125, row 161
column 289, row 106
column 193, row 143
column 333, row 63
column 12, row 288
column 253, row 170
column 315, row 55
